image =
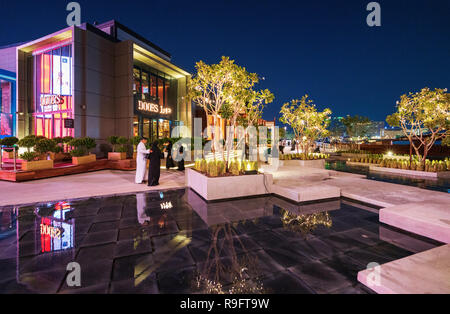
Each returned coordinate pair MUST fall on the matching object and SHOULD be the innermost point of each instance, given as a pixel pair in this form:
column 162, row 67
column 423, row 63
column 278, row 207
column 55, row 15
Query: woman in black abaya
column 169, row 160
column 155, row 164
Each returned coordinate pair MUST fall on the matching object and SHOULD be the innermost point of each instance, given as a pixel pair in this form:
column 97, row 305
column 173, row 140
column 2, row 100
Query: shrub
column 123, row 142
column 9, row 141
column 28, row 142
column 29, row 156
column 234, row 167
column 67, row 139
column 212, row 169
column 113, row 141
column 82, row 146
column 44, row 146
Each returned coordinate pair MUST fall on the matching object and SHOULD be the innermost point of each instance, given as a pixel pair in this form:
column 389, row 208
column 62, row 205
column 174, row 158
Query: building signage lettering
column 51, row 102
column 152, row 107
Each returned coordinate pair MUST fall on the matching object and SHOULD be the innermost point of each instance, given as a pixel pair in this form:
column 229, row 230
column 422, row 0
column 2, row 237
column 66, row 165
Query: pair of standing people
column 154, row 155
column 169, row 162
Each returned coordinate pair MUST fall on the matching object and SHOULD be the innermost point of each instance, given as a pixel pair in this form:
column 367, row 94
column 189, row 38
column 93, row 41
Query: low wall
column 227, row 187
column 317, row 163
column 414, row 173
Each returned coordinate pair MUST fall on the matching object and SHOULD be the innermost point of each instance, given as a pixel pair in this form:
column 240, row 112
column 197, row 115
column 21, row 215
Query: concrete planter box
column 225, row 187
column 117, row 156
column 317, row 163
column 414, row 173
column 37, row 165
column 84, row 159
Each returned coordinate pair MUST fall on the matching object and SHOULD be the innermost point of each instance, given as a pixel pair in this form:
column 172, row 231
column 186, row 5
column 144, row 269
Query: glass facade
column 155, row 104
column 53, row 101
column 6, row 108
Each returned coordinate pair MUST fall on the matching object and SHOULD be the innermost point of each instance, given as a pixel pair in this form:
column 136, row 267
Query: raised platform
column 63, row 169
column 428, row 219
column 422, row 273
column 306, row 193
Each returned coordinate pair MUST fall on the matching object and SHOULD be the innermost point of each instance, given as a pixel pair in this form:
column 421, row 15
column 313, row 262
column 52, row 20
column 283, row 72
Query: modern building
column 8, row 90
column 7, row 103
column 97, row 81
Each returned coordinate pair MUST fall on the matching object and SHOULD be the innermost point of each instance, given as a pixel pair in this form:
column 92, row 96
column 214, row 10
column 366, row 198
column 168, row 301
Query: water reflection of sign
column 57, row 234
column 48, row 230
column 152, row 107
column 51, row 102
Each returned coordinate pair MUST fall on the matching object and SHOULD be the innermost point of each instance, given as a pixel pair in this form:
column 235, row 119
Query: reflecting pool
column 174, row 242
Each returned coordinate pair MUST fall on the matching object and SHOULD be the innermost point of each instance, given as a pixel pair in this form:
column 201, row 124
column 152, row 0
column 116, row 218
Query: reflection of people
column 141, row 161
column 169, row 160
column 155, row 164
column 140, row 206
column 181, row 157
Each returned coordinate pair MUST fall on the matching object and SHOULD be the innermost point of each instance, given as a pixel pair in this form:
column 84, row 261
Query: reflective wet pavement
column 174, row 242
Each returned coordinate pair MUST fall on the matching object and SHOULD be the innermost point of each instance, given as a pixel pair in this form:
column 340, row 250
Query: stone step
column 430, row 219
column 306, row 193
column 422, row 273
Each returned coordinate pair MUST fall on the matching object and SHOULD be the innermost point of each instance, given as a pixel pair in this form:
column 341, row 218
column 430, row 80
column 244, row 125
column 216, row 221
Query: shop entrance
column 152, row 129
column 52, row 125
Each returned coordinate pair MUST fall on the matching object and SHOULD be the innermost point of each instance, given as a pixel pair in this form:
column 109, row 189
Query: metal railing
column 2, row 148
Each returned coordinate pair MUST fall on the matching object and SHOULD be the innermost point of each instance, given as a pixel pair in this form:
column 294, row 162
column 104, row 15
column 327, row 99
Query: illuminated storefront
column 7, row 103
column 98, row 81
column 53, row 92
column 154, row 104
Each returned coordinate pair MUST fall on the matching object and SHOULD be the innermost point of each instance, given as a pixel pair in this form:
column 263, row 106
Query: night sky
column 323, row 48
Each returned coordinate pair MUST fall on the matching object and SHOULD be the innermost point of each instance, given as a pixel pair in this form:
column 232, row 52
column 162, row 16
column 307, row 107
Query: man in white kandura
column 141, row 160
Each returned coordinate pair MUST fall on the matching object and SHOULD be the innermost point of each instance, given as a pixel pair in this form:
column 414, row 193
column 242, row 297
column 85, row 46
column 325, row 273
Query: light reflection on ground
column 175, row 242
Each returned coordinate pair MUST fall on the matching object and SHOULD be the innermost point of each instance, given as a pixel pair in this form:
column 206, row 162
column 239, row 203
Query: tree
column 226, row 90
column 356, row 126
column 424, row 118
column 210, row 88
column 307, row 123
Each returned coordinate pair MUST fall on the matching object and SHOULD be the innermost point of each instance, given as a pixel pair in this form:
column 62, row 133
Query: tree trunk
column 410, row 155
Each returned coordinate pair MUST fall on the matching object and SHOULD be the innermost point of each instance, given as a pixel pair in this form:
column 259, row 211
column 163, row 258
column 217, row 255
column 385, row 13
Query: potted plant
column 9, row 142
column 57, row 154
column 119, row 153
column 28, row 142
column 81, row 148
column 31, row 160
column 135, row 142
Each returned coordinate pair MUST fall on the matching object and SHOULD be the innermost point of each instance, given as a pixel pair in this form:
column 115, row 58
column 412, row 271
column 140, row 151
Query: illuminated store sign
column 152, row 107
column 51, row 102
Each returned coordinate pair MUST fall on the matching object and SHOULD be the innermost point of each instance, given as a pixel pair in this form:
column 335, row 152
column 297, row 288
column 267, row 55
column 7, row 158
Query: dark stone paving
column 174, row 242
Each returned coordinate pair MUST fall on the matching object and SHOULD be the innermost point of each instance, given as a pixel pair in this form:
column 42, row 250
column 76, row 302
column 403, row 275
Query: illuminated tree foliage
column 226, row 90
column 356, row 126
column 424, row 118
column 307, row 123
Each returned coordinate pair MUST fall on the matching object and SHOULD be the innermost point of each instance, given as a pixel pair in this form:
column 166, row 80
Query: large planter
column 315, row 163
column 117, row 156
column 37, row 165
column 225, row 187
column 84, row 159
